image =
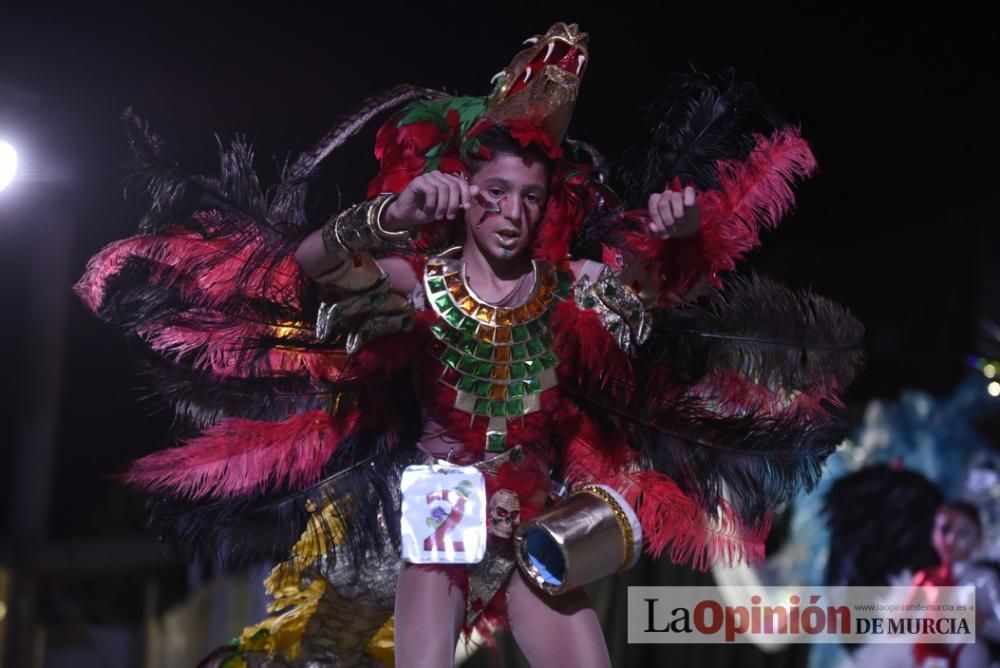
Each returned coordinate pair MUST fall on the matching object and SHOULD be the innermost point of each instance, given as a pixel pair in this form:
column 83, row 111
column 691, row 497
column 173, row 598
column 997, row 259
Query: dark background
column 900, row 224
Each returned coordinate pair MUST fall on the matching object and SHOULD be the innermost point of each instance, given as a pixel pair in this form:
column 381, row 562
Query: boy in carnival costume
column 494, row 307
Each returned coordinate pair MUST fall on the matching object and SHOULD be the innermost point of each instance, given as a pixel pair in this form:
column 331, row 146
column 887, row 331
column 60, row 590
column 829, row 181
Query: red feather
column 209, row 272
column 587, row 353
column 220, row 346
column 670, row 519
column 755, row 193
column 674, row 522
column 239, row 457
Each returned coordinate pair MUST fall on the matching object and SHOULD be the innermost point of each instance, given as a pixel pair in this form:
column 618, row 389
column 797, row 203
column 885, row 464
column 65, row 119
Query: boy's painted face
column 503, row 218
column 955, row 537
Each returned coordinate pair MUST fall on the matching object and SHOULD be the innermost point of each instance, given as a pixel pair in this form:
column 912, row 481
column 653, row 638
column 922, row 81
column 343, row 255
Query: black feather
column 287, row 201
column 695, row 124
column 756, row 459
column 785, row 340
column 738, row 394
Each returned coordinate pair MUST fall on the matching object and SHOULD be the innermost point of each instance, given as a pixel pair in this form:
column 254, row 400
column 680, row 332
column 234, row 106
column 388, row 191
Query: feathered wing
column 596, row 449
column 224, row 320
column 763, row 369
column 733, row 404
column 740, row 157
column 692, row 126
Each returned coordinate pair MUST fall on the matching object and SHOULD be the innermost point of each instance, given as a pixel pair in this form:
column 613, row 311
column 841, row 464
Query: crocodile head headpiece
column 542, row 82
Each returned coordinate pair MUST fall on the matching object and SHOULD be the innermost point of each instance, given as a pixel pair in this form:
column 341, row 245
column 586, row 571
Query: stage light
column 8, row 164
column 994, row 389
column 990, row 370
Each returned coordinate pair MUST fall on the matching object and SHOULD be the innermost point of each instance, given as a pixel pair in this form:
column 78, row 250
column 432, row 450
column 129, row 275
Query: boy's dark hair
column 497, row 141
column 965, row 509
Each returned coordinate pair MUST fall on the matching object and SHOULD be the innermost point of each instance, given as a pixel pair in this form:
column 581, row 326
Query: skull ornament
column 505, row 513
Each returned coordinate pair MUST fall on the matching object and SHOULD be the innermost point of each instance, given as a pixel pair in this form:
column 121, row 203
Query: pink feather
column 672, row 521
column 755, row 193
column 210, row 272
column 239, row 457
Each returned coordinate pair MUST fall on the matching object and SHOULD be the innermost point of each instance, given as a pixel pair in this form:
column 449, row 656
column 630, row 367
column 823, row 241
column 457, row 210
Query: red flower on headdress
column 527, row 134
column 414, row 139
column 406, row 150
column 452, row 120
column 521, row 131
column 396, row 176
column 400, row 150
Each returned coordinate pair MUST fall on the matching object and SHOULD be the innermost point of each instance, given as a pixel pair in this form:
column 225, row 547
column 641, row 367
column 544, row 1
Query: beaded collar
column 498, row 359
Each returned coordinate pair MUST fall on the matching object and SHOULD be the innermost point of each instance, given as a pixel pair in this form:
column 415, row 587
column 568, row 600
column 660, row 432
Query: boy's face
column 955, row 536
column 518, row 189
